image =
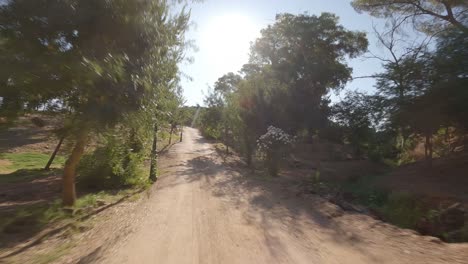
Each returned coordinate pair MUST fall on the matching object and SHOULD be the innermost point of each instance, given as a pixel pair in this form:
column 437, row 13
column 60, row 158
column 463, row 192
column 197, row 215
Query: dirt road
column 203, row 211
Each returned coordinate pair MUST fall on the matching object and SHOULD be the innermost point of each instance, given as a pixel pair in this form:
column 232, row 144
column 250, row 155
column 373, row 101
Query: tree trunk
column 226, row 140
column 154, row 156
column 447, row 138
column 428, row 151
column 426, row 147
column 69, row 172
column 431, row 151
column 57, row 148
column 248, row 152
column 170, row 135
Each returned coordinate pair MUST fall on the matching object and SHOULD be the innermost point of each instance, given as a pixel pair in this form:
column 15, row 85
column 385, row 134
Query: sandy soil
column 203, row 211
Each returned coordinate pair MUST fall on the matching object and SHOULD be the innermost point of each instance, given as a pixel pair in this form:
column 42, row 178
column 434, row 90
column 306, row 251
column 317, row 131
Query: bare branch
column 367, row 76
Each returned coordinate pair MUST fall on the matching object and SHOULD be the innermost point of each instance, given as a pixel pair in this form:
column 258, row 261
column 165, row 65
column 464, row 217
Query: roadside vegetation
column 279, row 104
column 107, row 73
column 87, row 103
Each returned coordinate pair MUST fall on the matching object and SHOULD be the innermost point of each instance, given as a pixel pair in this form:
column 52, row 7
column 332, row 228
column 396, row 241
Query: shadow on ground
column 270, row 198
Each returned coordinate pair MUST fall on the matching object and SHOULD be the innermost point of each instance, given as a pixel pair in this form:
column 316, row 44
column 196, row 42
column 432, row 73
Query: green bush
column 211, row 133
column 402, row 209
column 112, row 165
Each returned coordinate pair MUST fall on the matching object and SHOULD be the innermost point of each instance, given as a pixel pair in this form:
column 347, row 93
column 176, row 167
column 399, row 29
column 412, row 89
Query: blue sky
column 220, row 52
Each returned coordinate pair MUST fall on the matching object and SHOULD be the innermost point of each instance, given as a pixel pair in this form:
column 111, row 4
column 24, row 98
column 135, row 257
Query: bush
column 211, row 133
column 273, row 144
column 112, row 165
column 403, row 210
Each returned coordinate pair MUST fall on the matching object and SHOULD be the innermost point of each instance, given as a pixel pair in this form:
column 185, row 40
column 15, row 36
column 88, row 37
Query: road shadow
column 32, row 238
column 267, row 198
column 12, row 138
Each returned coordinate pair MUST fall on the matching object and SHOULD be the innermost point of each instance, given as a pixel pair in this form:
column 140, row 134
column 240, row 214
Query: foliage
column 83, row 54
column 306, row 53
column 273, row 145
column 293, row 65
column 428, row 16
column 113, row 164
column 353, row 113
column 188, row 114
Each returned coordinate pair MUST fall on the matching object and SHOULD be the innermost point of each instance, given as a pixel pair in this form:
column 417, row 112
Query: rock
column 332, row 211
column 433, row 239
column 351, row 207
column 453, row 217
column 454, row 236
column 100, row 202
column 425, row 226
column 447, row 221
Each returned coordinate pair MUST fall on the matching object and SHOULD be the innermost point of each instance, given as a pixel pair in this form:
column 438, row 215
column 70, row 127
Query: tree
column 292, row 66
column 306, row 53
column 216, row 118
column 84, row 53
column 355, row 114
column 427, row 16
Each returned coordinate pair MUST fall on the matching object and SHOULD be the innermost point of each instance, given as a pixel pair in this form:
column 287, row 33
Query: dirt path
column 205, row 212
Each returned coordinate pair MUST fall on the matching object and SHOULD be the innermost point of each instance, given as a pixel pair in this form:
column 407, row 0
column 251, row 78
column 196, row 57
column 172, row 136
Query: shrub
column 112, row 165
column 273, row 144
column 403, row 210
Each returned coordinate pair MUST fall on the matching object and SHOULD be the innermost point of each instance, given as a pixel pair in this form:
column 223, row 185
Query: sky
column 223, row 29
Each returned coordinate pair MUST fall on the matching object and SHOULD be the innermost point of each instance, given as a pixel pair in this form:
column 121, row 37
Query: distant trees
column 292, row 66
column 354, row 114
column 300, row 58
column 419, row 84
column 103, row 60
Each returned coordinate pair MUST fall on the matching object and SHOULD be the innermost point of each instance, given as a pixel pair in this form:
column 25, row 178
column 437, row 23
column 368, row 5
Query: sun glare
column 227, row 41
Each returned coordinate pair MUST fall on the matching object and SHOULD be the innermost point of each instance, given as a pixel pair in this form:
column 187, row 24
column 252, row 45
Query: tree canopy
column 427, row 16
column 102, row 60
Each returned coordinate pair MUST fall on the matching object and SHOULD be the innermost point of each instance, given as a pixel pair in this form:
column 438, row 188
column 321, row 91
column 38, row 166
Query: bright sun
column 227, row 41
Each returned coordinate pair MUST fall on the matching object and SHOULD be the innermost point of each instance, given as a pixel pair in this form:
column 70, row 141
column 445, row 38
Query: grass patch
column 28, row 161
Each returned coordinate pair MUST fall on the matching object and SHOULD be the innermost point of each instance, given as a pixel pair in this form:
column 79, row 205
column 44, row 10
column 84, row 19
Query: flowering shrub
column 272, row 145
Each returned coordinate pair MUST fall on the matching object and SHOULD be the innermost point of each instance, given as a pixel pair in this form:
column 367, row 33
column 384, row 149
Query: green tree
column 306, row 53
column 428, row 16
column 354, row 114
column 85, row 54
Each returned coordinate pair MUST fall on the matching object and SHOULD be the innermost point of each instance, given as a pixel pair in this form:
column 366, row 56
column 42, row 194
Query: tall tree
column 307, row 52
column 427, row 16
column 102, row 59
